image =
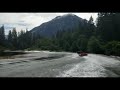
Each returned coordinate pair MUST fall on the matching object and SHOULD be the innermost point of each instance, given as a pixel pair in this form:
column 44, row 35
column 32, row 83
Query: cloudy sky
column 30, row 20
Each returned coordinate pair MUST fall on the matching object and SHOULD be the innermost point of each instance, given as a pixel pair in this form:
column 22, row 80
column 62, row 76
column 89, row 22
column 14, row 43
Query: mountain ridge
column 59, row 23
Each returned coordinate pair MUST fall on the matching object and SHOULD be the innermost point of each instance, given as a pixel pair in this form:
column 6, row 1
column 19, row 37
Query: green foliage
column 74, row 47
column 112, row 48
column 108, row 26
column 45, row 44
column 94, row 45
column 82, row 43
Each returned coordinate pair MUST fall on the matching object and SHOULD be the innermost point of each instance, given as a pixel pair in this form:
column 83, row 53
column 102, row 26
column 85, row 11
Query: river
column 59, row 64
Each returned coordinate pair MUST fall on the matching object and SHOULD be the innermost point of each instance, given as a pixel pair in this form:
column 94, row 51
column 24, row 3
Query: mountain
column 65, row 22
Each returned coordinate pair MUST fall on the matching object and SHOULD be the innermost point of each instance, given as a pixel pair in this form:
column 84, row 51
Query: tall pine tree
column 2, row 36
column 14, row 38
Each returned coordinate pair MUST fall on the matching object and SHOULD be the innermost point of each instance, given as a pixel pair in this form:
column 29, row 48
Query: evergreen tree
column 9, row 40
column 108, row 26
column 91, row 20
column 2, row 36
column 90, row 28
column 14, row 38
column 10, row 36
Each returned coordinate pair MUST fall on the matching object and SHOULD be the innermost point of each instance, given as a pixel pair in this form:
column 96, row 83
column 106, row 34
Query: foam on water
column 89, row 68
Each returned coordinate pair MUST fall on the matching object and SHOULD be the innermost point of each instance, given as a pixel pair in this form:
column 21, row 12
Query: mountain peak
column 70, row 14
column 64, row 22
column 66, row 16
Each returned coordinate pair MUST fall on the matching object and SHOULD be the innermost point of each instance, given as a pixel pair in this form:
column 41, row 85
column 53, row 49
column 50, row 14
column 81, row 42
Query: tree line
column 16, row 40
column 102, row 38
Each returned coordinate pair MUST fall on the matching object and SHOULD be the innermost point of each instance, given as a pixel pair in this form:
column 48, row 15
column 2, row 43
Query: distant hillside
column 59, row 23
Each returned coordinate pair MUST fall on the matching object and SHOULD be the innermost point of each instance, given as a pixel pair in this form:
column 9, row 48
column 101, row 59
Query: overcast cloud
column 30, row 20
